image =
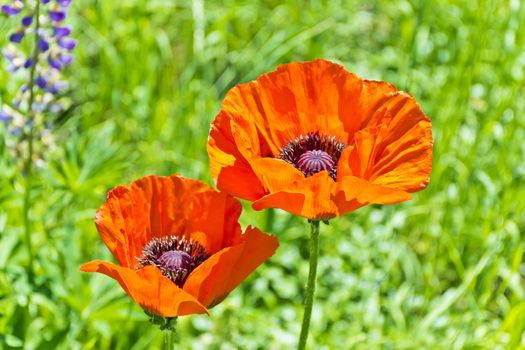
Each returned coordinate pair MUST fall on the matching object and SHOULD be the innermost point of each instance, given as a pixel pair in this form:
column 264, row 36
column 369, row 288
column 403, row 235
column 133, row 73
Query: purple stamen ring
column 312, row 153
column 175, row 257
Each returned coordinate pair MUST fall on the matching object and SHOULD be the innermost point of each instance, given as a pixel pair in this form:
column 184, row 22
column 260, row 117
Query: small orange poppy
column 179, row 244
column 317, row 141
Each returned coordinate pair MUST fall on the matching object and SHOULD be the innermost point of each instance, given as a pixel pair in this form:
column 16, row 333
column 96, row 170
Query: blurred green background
column 443, row 271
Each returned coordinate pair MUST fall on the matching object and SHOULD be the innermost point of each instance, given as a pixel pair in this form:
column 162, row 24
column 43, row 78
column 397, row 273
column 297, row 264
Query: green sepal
column 165, row 323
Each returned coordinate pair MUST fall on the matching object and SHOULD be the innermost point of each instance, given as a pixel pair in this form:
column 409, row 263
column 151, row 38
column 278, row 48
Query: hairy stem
column 29, row 161
column 310, row 287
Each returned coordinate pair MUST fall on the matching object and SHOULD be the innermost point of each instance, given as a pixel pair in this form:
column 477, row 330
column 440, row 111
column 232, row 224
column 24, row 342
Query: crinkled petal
column 276, row 174
column 216, row 277
column 295, row 99
column 311, row 198
column 157, row 206
column 216, row 215
column 365, row 192
column 394, row 149
column 150, row 289
column 228, row 167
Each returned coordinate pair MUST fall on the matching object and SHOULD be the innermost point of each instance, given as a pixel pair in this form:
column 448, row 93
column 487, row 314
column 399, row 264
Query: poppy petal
column 153, row 206
column 276, row 174
column 133, row 214
column 216, row 277
column 374, row 94
column 310, row 198
column 216, row 215
column 231, row 171
column 395, row 149
column 150, row 289
column 366, row 192
column 295, row 99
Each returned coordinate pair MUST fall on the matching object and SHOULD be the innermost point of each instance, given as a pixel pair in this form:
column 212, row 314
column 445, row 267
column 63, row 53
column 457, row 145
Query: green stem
column 310, row 287
column 29, row 162
column 169, row 339
column 270, row 218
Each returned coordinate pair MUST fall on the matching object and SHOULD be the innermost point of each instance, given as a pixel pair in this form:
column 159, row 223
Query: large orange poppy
column 178, row 244
column 317, row 141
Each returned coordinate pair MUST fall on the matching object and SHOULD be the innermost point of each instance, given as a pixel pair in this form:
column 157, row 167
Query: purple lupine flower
column 54, row 63
column 29, row 62
column 39, row 106
column 27, row 21
column 16, row 37
column 43, row 45
column 54, row 47
column 64, row 3
column 9, row 54
column 16, row 131
column 40, row 82
column 5, row 117
column 12, row 68
column 61, row 32
column 56, row 87
column 57, row 15
column 11, row 10
column 66, row 59
column 68, row 44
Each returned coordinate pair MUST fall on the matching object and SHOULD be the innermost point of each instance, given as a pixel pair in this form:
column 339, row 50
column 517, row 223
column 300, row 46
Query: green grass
column 443, row 271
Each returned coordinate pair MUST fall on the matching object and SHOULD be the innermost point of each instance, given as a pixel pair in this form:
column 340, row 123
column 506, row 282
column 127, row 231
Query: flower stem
column 29, row 162
column 310, row 287
column 169, row 339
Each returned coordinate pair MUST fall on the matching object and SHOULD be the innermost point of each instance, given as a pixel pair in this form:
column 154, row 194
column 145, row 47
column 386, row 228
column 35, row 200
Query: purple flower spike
column 66, row 59
column 57, row 16
column 45, row 1
column 43, row 45
column 68, row 44
column 29, row 62
column 27, row 21
column 10, row 10
column 41, row 82
column 61, row 32
column 54, row 63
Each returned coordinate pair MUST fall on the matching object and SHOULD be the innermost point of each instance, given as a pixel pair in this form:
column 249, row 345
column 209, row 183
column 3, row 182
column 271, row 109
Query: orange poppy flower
column 178, row 243
column 317, row 141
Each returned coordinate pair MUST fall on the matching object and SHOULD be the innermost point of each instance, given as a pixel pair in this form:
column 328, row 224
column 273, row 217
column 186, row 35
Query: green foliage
column 443, row 271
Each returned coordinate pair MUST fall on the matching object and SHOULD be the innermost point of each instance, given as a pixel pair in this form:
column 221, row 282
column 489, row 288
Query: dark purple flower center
column 175, row 257
column 311, row 162
column 312, row 153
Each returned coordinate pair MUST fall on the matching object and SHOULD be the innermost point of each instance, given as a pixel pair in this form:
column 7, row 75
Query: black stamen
column 175, row 257
column 312, row 153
